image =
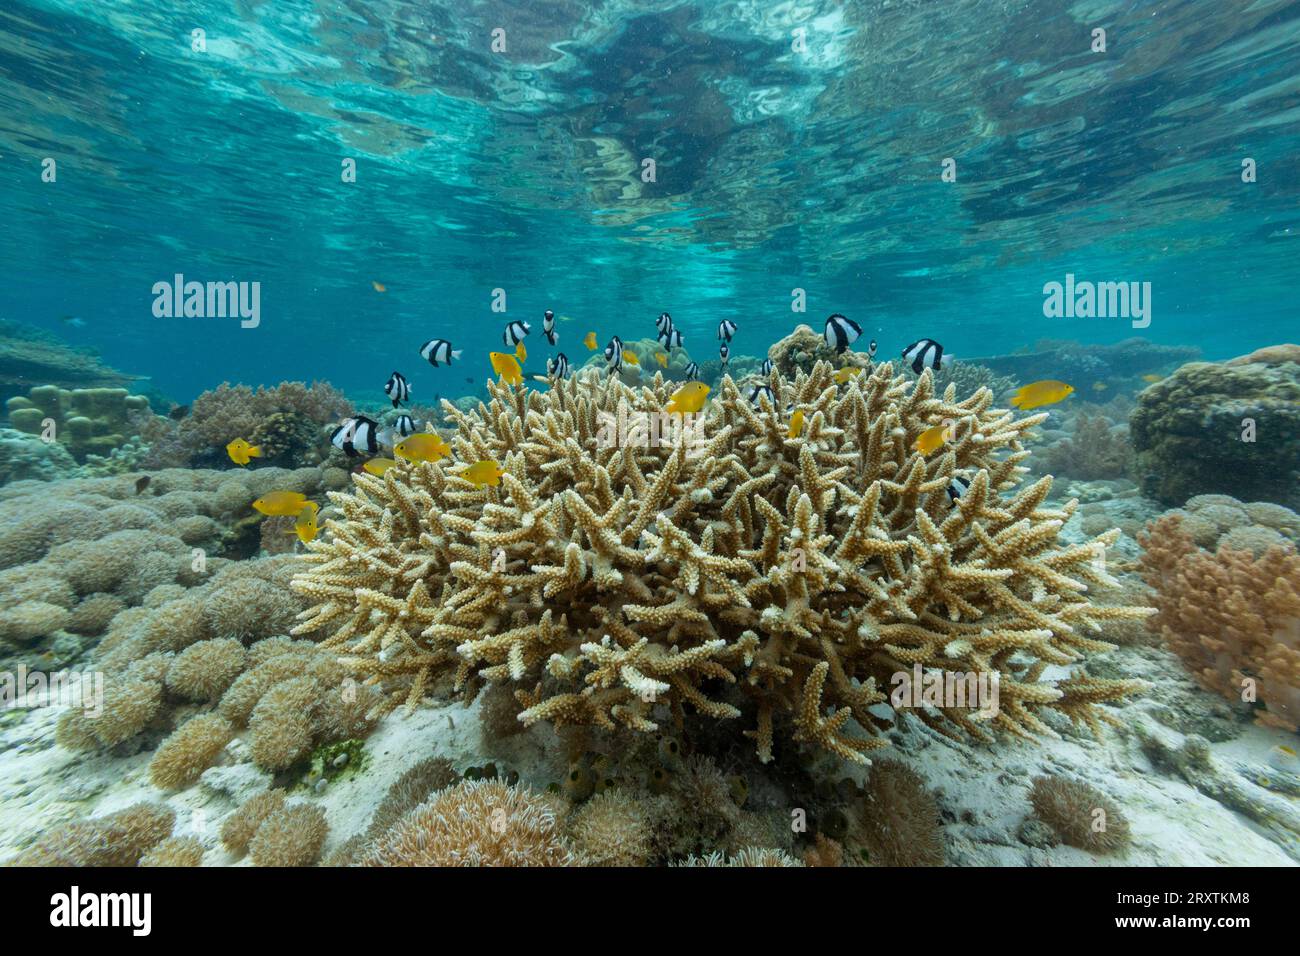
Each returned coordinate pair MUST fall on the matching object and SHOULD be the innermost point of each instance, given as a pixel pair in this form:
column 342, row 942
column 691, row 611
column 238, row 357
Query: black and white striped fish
column 614, row 351
column 515, row 333
column 664, row 322
column 558, row 367
column 438, row 352
column 548, row 326
column 726, row 329
column 957, row 487
column 405, row 425
column 724, row 353
column 692, row 372
column 760, row 391
column 356, row 436
column 398, row 389
column 926, row 352
column 871, row 349
column 671, row 338
column 766, row 368
column 841, row 332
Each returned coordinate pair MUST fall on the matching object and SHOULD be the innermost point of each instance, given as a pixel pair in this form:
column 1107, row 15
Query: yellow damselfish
column 589, row 340
column 1036, row 394
column 504, row 364
column 662, row 359
column 1152, row 378
column 377, row 466
column 422, row 446
column 521, row 353
column 796, row 424
column 305, row 527
column 930, row 439
column 241, row 451
column 281, row 503
column 845, row 374
column 688, row 399
column 486, row 472
column 630, row 358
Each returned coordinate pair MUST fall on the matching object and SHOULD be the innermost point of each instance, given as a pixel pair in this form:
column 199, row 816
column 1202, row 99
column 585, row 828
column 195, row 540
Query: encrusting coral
column 789, row 577
column 1233, row 617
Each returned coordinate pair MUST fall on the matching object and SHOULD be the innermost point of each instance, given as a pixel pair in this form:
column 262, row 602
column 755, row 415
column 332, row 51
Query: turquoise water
column 522, row 170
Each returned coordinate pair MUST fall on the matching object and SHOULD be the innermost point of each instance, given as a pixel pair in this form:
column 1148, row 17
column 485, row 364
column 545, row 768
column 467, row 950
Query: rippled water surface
column 775, row 168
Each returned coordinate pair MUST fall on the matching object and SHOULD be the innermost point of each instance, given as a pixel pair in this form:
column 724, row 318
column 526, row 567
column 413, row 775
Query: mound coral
column 86, row 420
column 475, row 823
column 1229, row 427
column 1233, row 617
column 786, row 576
column 1081, row 815
column 290, row 836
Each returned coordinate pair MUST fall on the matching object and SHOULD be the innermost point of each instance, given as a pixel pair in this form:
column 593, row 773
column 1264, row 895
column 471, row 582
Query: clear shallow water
column 521, row 170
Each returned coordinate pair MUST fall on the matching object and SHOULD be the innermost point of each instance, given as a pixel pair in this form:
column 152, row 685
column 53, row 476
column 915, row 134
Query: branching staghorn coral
column 781, row 578
column 1233, row 617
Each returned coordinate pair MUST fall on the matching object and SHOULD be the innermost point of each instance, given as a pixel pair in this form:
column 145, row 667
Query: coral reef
column 1227, row 427
column 290, row 421
column 475, row 823
column 1080, row 815
column 87, row 421
column 29, row 354
column 1117, row 365
column 119, row 839
column 900, row 825
column 289, row 836
column 803, row 348
column 1095, row 452
column 617, row 585
column 29, row 457
column 970, row 377
column 1233, row 617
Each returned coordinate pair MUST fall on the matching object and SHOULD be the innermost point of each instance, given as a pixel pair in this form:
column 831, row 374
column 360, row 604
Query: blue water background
column 776, row 170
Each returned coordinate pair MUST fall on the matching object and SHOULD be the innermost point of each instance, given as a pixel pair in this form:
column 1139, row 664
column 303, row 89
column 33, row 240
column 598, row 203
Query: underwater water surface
column 853, row 433
column 522, row 170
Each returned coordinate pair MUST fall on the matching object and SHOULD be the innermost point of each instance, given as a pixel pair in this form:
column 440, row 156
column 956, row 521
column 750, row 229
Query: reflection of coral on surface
column 1234, row 618
column 782, row 576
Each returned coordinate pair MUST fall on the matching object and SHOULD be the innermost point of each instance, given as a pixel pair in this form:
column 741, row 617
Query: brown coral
column 1232, row 617
column 189, row 751
column 901, row 818
column 1081, row 815
column 239, row 828
column 786, row 577
column 475, row 823
column 290, row 836
column 118, row 839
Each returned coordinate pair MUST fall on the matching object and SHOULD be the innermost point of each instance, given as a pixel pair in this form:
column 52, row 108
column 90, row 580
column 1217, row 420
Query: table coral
column 1232, row 616
column 784, row 577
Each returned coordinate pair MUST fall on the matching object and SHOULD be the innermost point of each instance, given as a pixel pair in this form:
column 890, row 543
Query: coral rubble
column 785, row 579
